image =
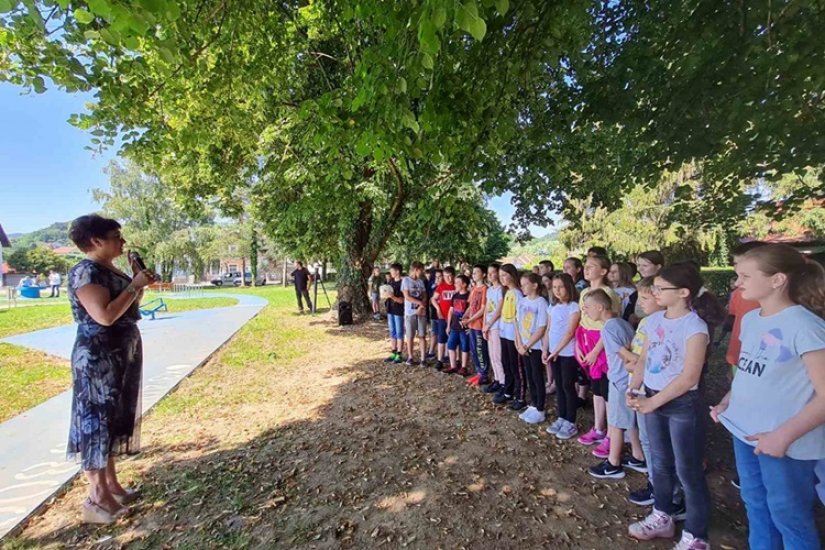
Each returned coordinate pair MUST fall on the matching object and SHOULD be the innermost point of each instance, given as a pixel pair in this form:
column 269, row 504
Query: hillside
column 54, row 235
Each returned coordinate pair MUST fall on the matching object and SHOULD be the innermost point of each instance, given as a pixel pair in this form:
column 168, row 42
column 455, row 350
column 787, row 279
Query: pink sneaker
column 657, row 525
column 602, row 450
column 591, row 437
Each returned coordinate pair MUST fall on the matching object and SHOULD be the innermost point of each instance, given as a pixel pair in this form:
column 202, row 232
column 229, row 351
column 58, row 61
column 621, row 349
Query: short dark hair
column 547, row 263
column 464, row 278
column 653, row 256
column 744, row 248
column 92, row 226
column 597, row 251
column 482, row 267
column 450, row 270
column 396, row 266
column 417, row 265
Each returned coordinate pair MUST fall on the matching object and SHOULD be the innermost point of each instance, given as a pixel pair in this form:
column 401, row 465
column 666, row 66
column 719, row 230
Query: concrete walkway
column 33, row 444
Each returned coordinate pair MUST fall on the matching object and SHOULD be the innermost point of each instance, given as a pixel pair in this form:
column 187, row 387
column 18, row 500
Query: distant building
column 4, row 267
column 804, row 239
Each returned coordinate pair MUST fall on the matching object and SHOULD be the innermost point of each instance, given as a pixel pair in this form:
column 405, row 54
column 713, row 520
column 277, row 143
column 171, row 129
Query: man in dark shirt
column 302, row 278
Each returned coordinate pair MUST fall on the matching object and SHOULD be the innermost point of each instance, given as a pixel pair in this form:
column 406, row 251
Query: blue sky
column 46, row 175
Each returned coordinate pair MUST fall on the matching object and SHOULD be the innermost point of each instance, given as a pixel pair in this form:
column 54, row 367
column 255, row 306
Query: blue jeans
column 676, row 432
column 779, row 495
column 396, row 325
column 481, row 355
column 459, row 338
column 440, row 330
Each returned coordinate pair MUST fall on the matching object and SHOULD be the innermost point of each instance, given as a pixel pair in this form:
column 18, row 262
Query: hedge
column 717, row 280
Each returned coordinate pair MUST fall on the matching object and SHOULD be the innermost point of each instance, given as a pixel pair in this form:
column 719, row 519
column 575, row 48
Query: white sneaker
column 554, row 428
column 689, row 542
column 535, row 417
column 525, row 414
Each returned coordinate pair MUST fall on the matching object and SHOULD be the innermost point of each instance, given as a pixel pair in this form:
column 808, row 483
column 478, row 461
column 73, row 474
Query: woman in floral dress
column 107, row 362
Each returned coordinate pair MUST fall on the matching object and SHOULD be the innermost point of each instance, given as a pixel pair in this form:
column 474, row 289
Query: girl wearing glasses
column 673, row 356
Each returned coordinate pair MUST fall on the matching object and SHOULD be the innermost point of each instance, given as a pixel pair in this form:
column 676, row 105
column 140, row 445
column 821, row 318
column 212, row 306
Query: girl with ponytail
column 776, row 407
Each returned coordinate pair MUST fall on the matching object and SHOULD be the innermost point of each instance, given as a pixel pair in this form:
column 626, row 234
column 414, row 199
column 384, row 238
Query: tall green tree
column 153, row 222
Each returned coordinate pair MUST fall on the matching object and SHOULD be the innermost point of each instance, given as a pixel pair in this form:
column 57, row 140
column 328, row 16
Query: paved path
column 33, row 444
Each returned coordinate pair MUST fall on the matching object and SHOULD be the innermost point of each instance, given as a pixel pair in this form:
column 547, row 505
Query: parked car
column 225, row 279
column 247, row 279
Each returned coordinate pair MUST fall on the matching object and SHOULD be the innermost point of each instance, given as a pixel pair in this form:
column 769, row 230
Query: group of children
column 641, row 348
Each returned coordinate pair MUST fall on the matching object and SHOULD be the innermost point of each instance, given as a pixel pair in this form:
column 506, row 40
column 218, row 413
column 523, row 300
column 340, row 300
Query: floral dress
column 107, row 364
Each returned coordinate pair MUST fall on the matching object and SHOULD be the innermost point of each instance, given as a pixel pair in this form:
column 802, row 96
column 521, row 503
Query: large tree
column 345, row 118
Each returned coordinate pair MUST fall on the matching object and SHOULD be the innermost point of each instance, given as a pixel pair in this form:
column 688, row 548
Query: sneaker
column 689, row 542
column 605, row 470
column 474, row 379
column 567, row 431
column 533, row 416
column 642, row 497
column 592, row 437
column 450, row 370
column 735, row 483
column 423, row 364
column 397, row 359
column 410, row 361
column 502, row 398
column 602, row 450
column 526, row 412
column 680, row 513
column 430, row 356
column 390, row 359
column 554, row 428
column 439, row 366
column 517, row 404
column 462, row 372
column 656, row 525
column 634, row 464
column 491, row 388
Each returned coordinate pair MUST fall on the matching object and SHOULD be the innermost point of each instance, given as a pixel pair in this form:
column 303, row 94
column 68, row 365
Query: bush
column 717, row 280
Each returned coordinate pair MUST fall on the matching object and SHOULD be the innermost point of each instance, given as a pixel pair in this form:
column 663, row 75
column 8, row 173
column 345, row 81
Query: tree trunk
column 253, row 257
column 352, row 284
column 283, row 273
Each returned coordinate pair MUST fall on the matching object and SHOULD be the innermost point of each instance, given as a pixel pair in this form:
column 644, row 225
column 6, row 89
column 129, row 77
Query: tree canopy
column 346, row 121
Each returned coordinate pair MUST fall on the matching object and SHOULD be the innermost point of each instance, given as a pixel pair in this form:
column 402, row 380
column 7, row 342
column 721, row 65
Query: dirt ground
column 334, row 449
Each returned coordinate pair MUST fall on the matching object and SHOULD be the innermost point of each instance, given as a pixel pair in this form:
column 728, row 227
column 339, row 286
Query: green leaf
column 6, row 6
column 38, row 84
column 166, row 54
column 109, row 36
column 478, row 28
column 100, row 7
column 408, row 119
column 402, row 85
column 503, row 6
column 439, row 17
column 83, row 16
column 427, row 37
column 64, row 4
column 426, row 60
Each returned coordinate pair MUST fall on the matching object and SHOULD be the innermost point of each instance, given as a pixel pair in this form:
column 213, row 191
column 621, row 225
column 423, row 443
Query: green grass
column 20, row 320
column 27, row 378
column 266, row 340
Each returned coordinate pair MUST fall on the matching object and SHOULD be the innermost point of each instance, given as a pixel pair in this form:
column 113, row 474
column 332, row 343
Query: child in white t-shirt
column 776, row 407
column 673, row 356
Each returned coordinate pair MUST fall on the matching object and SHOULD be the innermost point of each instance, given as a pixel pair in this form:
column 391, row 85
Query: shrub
column 717, row 280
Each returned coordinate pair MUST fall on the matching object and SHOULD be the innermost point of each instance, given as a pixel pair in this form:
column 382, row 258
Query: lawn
column 28, row 377
column 297, row 435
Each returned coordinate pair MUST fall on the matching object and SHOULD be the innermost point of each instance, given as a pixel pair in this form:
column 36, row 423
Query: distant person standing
column 54, row 282
column 302, row 278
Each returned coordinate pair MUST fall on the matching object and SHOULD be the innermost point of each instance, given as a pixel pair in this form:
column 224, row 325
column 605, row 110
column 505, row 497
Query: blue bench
column 149, row 309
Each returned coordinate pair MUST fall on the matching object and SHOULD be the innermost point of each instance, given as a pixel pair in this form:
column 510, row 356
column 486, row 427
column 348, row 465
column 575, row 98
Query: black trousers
column 514, row 383
column 535, row 378
column 565, row 373
column 303, row 292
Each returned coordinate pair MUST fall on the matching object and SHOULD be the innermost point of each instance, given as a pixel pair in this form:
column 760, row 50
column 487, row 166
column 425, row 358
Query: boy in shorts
column 616, row 334
column 415, row 311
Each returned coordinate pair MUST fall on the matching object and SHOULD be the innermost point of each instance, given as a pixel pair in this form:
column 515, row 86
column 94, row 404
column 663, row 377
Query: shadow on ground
column 398, row 457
